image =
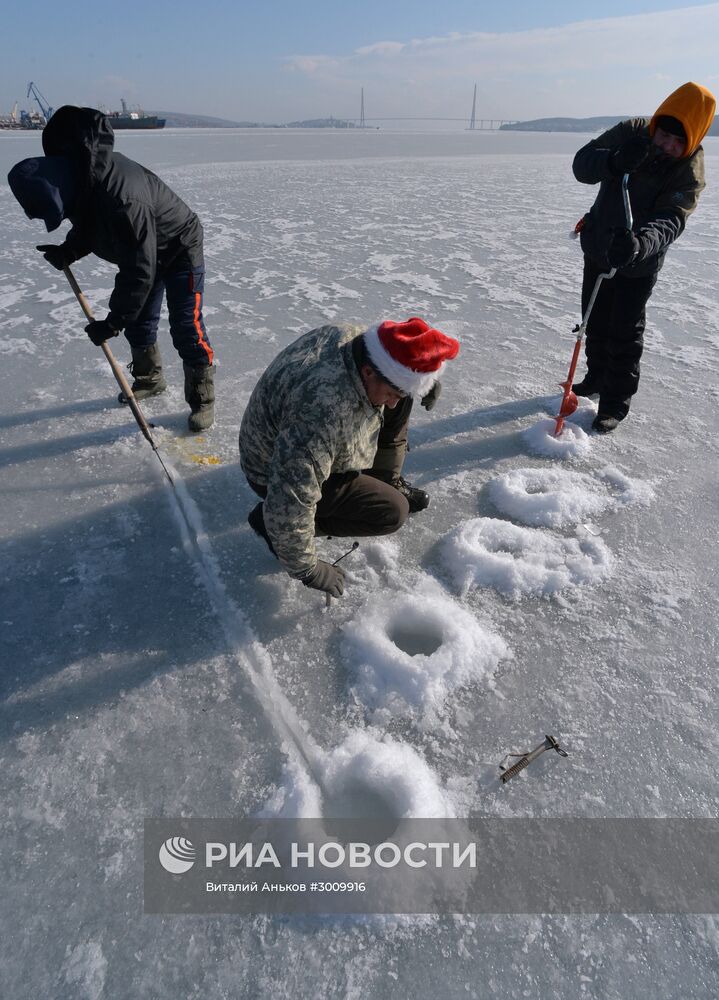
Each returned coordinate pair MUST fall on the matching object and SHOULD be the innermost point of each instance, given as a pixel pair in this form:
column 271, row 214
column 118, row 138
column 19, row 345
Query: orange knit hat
column 692, row 105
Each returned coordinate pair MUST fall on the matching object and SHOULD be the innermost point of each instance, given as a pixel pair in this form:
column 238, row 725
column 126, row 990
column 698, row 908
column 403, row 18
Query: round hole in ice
column 545, row 497
column 537, row 562
column 416, row 638
column 407, row 651
column 379, row 780
column 356, row 799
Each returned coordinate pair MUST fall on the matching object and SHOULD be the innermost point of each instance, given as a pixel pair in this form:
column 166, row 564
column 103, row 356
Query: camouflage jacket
column 307, row 417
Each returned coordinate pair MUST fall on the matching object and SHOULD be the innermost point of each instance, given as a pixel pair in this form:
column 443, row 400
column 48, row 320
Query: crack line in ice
column 362, row 767
column 240, row 639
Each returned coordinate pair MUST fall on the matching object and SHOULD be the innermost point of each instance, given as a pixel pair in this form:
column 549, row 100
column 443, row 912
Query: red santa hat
column 410, row 355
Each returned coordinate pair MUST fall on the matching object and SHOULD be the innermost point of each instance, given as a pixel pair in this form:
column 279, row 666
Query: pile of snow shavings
column 555, row 498
column 419, row 649
column 365, row 776
column 549, row 498
column 519, row 562
column 424, row 645
column 572, row 443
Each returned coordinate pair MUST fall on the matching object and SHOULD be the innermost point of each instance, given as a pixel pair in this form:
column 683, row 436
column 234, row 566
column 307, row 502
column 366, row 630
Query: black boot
column 417, row 499
column 587, row 387
column 200, row 394
column 256, row 521
column 605, row 422
column 146, row 371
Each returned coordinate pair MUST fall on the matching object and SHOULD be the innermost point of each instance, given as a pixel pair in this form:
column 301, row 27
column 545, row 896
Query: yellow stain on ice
column 182, row 447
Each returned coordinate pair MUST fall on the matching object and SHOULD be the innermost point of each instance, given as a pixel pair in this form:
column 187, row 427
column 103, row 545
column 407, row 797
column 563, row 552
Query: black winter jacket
column 124, row 213
column 663, row 194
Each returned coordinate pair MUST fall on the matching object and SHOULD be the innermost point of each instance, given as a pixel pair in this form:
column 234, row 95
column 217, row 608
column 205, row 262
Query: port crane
column 45, row 108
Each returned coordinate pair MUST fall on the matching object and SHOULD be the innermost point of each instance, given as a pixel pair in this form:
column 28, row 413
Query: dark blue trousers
column 184, row 290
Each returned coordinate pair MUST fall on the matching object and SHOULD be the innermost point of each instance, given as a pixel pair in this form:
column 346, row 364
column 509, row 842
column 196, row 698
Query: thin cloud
column 573, row 67
column 381, row 49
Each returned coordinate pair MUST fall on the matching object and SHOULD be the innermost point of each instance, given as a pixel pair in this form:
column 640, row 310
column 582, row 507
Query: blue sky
column 282, row 61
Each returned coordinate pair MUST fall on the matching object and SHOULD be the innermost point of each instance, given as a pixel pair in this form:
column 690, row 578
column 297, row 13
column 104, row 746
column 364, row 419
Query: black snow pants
column 615, row 336
column 365, row 503
column 353, row 503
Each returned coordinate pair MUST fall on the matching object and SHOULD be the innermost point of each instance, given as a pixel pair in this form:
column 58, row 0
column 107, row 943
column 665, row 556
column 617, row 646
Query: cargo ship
column 133, row 119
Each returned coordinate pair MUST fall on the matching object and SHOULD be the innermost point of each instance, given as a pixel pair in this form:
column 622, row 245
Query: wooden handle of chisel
column 116, row 369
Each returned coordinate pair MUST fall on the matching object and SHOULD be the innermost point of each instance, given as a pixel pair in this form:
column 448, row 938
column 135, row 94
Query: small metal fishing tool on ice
column 526, row 758
column 355, row 546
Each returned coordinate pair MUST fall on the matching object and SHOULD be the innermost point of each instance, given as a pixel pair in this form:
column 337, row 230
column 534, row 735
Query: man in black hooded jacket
column 665, row 162
column 126, row 215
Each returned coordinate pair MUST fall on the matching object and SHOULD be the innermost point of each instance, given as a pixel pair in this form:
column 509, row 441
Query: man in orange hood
column 665, row 162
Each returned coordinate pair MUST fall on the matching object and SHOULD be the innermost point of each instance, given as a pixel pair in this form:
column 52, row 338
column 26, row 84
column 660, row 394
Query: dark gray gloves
column 99, row 330
column 429, row 401
column 630, row 155
column 325, row 577
column 54, row 255
column 623, row 247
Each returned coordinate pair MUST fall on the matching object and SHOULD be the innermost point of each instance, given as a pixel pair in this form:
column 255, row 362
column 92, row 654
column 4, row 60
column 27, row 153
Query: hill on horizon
column 598, row 123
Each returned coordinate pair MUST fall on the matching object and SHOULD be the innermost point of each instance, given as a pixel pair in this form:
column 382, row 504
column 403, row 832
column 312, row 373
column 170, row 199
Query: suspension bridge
column 472, row 123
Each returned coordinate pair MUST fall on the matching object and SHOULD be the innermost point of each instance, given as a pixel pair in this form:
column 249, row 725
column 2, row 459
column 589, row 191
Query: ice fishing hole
column 355, row 800
column 503, row 546
column 416, row 638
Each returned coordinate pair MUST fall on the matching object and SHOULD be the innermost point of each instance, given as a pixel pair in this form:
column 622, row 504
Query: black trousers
column 615, row 336
column 364, row 503
column 353, row 503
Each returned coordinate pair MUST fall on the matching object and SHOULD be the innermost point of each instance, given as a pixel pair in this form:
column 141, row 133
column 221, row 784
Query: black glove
column 623, row 247
column 630, row 155
column 325, row 577
column 429, row 401
column 99, row 330
column 54, row 255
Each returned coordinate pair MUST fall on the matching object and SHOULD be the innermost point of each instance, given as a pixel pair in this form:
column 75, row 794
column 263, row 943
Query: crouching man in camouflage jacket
column 324, row 436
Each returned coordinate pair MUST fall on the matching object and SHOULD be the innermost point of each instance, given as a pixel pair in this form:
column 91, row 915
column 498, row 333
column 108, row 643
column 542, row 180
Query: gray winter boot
column 146, row 371
column 200, row 394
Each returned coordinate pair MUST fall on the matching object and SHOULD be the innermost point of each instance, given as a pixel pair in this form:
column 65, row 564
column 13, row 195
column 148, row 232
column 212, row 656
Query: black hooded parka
column 123, row 212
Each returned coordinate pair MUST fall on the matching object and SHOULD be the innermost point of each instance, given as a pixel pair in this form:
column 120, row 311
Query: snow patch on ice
column 549, row 498
column 18, row 345
column 411, row 651
column 572, row 443
column 296, row 797
column 517, row 562
column 10, row 298
column 85, row 969
column 54, row 294
column 629, row 492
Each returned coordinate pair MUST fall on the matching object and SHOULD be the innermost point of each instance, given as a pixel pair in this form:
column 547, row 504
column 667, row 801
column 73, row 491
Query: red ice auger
column 569, row 399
